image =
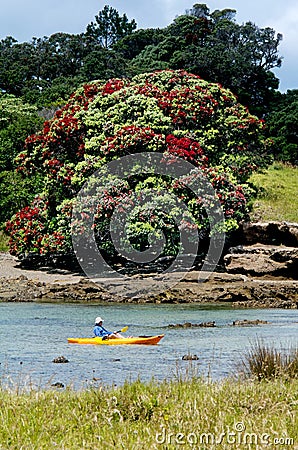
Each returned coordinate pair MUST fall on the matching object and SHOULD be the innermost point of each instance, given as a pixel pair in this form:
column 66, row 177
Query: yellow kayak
column 143, row 340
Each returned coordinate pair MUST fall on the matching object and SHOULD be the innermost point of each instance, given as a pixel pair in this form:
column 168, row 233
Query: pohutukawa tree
column 170, row 112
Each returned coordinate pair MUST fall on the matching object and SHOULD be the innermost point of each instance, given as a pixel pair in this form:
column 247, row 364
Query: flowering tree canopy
column 173, row 113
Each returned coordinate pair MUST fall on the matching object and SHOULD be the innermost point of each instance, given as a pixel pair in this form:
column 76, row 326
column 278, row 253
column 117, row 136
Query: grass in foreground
column 278, row 194
column 171, row 415
column 265, row 362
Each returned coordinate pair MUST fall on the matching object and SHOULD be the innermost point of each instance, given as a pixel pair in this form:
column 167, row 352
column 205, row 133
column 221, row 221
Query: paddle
column 122, row 330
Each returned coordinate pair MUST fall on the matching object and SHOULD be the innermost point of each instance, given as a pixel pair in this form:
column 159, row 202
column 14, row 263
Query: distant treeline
column 211, row 45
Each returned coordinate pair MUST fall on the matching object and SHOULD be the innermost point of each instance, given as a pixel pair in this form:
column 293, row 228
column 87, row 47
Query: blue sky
column 25, row 19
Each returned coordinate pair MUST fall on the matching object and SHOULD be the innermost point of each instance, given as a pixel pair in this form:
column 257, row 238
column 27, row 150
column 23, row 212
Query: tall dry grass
column 265, row 362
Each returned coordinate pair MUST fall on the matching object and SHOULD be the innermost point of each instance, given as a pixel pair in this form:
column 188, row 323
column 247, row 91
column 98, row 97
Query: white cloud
column 287, row 24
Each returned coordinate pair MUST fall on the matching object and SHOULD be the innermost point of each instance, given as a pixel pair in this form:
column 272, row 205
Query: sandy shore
column 10, row 269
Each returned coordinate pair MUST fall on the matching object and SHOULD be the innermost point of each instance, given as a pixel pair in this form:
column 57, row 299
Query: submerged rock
column 246, row 322
column 190, row 357
column 58, row 385
column 193, row 325
column 60, row 360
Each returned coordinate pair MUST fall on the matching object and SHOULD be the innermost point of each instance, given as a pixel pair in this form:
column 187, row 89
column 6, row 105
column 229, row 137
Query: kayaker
column 100, row 331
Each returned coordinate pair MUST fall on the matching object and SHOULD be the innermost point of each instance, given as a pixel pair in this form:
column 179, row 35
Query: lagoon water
column 32, row 335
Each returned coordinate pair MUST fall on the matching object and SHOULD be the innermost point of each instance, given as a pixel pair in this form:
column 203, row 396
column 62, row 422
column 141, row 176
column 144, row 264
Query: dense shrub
column 170, row 112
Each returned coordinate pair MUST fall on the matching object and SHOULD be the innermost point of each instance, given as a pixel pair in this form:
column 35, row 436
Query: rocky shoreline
column 237, row 290
column 260, row 273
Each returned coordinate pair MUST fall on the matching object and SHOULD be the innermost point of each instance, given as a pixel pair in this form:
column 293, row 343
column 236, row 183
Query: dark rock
column 193, row 325
column 58, row 385
column 60, row 360
column 207, row 324
column 190, row 357
column 270, row 233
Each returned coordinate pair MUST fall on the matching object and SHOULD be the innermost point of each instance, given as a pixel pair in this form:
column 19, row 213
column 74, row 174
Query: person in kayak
column 100, row 331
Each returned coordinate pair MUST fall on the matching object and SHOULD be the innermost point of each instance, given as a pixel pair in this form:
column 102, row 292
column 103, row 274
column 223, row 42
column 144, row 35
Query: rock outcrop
column 268, row 233
column 60, row 360
column 260, row 259
column 264, row 249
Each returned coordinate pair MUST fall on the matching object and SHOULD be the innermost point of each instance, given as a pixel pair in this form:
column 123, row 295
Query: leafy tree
column 169, row 112
column 38, row 69
column 156, row 57
column 16, row 192
column 103, row 63
column 53, row 95
column 59, row 55
column 210, row 44
column 108, row 28
column 29, row 69
column 214, row 46
column 132, row 44
column 17, row 121
column 16, row 65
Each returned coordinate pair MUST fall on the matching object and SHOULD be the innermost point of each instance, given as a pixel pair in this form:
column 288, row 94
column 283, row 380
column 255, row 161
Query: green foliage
column 3, row 242
column 170, row 112
column 15, row 65
column 212, row 45
column 46, row 70
column 283, row 128
column 109, row 27
column 103, row 63
column 276, row 194
column 131, row 45
column 16, row 192
column 17, row 121
column 54, row 94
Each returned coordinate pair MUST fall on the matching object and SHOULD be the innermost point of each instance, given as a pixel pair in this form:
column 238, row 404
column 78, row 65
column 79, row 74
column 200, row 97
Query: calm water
column 32, row 335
